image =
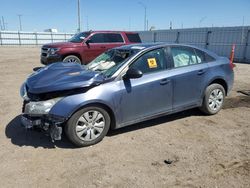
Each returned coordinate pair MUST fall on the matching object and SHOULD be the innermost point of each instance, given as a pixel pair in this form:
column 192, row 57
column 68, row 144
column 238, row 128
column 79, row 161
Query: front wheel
column 88, row 126
column 213, row 99
column 72, row 59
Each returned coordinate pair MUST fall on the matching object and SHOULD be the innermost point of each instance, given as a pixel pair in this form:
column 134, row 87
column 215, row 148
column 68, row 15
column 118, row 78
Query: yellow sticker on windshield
column 152, row 63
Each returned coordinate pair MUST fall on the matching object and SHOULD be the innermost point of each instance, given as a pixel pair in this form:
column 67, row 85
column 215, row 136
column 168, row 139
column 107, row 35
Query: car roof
column 103, row 31
column 148, row 46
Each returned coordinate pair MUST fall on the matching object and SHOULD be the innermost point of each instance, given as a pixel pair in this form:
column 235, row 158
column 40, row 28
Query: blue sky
column 123, row 14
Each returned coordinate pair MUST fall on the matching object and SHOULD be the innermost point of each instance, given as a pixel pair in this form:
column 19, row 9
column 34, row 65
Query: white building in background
column 51, row 30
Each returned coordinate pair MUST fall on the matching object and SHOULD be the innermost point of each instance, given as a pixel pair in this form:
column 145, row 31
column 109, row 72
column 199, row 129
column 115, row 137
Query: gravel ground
column 204, row 151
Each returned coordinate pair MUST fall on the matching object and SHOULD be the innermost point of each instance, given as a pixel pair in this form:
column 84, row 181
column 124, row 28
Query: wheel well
column 221, row 82
column 75, row 54
column 107, row 108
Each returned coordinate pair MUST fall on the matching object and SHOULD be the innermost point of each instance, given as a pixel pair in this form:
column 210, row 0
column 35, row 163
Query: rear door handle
column 164, row 81
column 200, row 72
column 103, row 47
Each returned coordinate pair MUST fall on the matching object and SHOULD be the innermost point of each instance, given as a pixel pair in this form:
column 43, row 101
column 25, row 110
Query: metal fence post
column 154, row 36
column 207, row 39
column 1, row 42
column 51, row 37
column 19, row 38
column 246, row 46
column 177, row 37
column 36, row 38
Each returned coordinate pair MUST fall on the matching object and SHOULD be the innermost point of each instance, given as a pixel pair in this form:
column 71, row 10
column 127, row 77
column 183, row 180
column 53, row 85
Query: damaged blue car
column 123, row 86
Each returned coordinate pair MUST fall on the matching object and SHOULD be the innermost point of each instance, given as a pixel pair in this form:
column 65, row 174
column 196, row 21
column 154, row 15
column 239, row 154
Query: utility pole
column 79, row 16
column 1, row 27
column 20, row 22
column 145, row 15
column 87, row 20
column 3, row 22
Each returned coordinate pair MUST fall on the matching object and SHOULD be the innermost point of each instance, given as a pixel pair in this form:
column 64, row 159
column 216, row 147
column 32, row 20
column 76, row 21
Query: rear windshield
column 78, row 37
column 134, row 37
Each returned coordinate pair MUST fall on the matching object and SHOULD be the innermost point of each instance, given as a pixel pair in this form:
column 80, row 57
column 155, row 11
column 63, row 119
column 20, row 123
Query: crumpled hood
column 62, row 76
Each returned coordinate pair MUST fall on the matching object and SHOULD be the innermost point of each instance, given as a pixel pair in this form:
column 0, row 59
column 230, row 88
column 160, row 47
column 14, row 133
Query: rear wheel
column 213, row 99
column 72, row 59
column 88, row 126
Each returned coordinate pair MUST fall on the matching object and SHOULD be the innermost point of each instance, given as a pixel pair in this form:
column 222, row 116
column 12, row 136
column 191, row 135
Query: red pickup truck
column 85, row 46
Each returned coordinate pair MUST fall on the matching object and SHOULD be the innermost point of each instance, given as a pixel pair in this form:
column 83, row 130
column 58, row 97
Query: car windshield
column 109, row 62
column 78, row 37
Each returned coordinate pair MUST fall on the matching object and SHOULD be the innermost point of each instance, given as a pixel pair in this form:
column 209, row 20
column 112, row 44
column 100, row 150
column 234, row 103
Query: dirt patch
column 186, row 149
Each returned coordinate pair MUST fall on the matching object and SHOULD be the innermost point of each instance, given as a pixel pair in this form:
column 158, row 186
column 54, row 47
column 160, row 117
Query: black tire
column 70, row 127
column 72, row 59
column 208, row 92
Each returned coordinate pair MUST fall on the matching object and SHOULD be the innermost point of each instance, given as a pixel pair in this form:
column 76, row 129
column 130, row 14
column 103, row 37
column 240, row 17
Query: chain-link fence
column 31, row 38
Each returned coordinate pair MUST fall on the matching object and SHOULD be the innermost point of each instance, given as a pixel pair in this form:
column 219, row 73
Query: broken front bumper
column 48, row 123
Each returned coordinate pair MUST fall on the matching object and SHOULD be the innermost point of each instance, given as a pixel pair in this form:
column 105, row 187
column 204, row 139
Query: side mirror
column 133, row 73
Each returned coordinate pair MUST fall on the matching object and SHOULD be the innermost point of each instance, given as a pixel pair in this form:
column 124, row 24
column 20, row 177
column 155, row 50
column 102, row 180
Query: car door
column 149, row 95
column 188, row 73
column 95, row 46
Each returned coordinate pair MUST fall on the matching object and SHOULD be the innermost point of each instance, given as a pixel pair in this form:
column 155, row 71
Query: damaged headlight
column 40, row 107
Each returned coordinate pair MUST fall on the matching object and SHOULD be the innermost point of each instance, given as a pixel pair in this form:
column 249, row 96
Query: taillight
column 232, row 65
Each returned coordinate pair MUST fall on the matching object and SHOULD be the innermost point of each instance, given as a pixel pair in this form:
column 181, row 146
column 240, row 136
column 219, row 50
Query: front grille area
column 44, row 51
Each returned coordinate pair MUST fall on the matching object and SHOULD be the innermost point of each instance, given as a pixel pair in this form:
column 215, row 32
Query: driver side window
column 150, row 62
column 97, row 38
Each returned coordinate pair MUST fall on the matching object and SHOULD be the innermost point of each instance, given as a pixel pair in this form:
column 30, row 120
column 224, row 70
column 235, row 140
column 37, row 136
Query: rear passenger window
column 200, row 56
column 209, row 58
column 203, row 56
column 183, row 56
column 150, row 62
column 113, row 38
column 134, row 37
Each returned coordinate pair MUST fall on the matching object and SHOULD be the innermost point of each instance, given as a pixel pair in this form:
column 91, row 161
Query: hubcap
column 71, row 60
column 90, row 125
column 215, row 99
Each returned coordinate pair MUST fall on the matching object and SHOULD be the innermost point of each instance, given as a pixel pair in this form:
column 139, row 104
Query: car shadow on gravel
column 156, row 121
column 21, row 137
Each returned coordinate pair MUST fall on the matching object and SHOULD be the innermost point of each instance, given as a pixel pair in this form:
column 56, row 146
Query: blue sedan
column 124, row 86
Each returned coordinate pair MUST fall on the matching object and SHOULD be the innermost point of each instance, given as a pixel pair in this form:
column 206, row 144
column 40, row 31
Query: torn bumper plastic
column 48, row 123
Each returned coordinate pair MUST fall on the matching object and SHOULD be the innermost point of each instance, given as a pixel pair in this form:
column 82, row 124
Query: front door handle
column 164, row 81
column 103, row 47
column 200, row 72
